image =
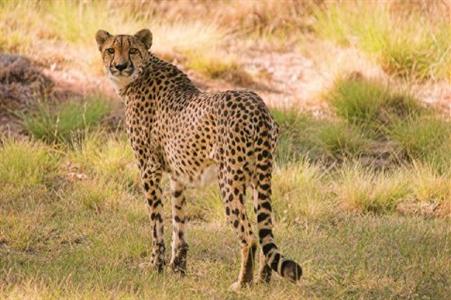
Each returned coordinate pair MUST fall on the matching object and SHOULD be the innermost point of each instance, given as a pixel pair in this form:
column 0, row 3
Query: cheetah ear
column 101, row 37
column 145, row 36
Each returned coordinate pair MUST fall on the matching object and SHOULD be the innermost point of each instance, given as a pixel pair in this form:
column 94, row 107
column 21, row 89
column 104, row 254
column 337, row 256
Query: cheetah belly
column 205, row 175
column 202, row 178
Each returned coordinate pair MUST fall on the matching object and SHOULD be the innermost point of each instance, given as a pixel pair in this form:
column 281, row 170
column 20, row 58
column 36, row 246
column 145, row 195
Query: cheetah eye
column 110, row 50
column 133, row 51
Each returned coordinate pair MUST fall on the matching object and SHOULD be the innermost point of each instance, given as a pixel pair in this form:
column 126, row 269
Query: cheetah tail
column 285, row 267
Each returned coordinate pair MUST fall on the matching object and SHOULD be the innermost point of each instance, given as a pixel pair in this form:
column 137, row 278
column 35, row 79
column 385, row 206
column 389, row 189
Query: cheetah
column 175, row 128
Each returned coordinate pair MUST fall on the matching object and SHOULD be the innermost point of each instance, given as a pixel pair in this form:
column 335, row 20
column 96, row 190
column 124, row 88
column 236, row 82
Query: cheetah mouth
column 124, row 73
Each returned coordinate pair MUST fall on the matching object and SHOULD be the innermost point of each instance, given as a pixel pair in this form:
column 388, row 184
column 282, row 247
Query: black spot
column 275, row 261
column 264, row 232
column 261, row 217
column 265, row 186
column 266, row 205
column 266, row 248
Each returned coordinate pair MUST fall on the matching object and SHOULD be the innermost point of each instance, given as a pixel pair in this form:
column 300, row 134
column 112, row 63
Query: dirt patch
column 21, row 85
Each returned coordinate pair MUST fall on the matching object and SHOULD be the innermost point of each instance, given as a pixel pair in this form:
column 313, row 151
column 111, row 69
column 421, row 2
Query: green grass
column 66, row 236
column 370, row 104
column 384, row 117
column 27, row 169
column 426, row 138
column 226, row 68
column 364, row 190
column 66, row 122
column 80, row 252
column 302, row 136
column 412, row 45
column 105, row 156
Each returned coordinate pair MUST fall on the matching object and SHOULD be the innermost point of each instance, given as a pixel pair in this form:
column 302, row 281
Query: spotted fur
column 177, row 129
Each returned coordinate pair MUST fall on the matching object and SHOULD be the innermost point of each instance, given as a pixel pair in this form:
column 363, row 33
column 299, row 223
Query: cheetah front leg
column 151, row 177
column 179, row 245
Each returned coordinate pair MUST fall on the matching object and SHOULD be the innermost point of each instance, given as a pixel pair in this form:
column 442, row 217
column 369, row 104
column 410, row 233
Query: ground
column 362, row 194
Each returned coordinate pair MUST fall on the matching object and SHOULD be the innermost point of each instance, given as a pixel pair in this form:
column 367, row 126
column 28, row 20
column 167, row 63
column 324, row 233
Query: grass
column 85, row 236
column 66, row 122
column 371, row 104
column 27, row 169
column 426, row 138
column 111, row 158
column 75, row 23
column 361, row 197
column 227, row 68
column 428, row 185
column 410, row 45
column 303, row 136
column 364, row 190
column 384, row 115
column 96, row 254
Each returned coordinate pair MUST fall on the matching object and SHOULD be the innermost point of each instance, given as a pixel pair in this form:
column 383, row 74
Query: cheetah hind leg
column 264, row 270
column 233, row 194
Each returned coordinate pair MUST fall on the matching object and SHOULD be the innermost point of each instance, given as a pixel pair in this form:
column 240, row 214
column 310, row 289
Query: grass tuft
column 412, row 45
column 68, row 121
column 299, row 191
column 425, row 138
column 26, row 170
column 428, row 185
column 364, row 190
column 303, row 136
column 107, row 157
column 370, row 104
column 25, row 164
column 226, row 68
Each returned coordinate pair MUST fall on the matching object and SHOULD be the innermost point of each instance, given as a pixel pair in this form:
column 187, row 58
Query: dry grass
column 73, row 221
column 408, row 42
column 84, row 236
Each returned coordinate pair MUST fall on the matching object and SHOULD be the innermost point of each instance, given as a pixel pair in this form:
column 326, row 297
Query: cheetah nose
column 121, row 67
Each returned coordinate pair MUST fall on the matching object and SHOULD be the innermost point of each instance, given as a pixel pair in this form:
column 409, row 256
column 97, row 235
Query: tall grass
column 27, row 170
column 409, row 45
column 303, row 136
column 370, row 104
column 426, row 138
column 363, row 189
column 67, row 121
column 100, row 155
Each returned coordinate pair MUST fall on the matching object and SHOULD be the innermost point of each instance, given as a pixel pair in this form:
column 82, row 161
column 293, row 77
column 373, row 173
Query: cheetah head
column 124, row 55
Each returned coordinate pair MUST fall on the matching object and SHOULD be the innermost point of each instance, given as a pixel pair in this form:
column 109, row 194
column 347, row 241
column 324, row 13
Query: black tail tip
column 291, row 270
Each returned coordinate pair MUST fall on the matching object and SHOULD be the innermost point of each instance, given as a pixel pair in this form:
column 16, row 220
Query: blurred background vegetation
column 362, row 184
